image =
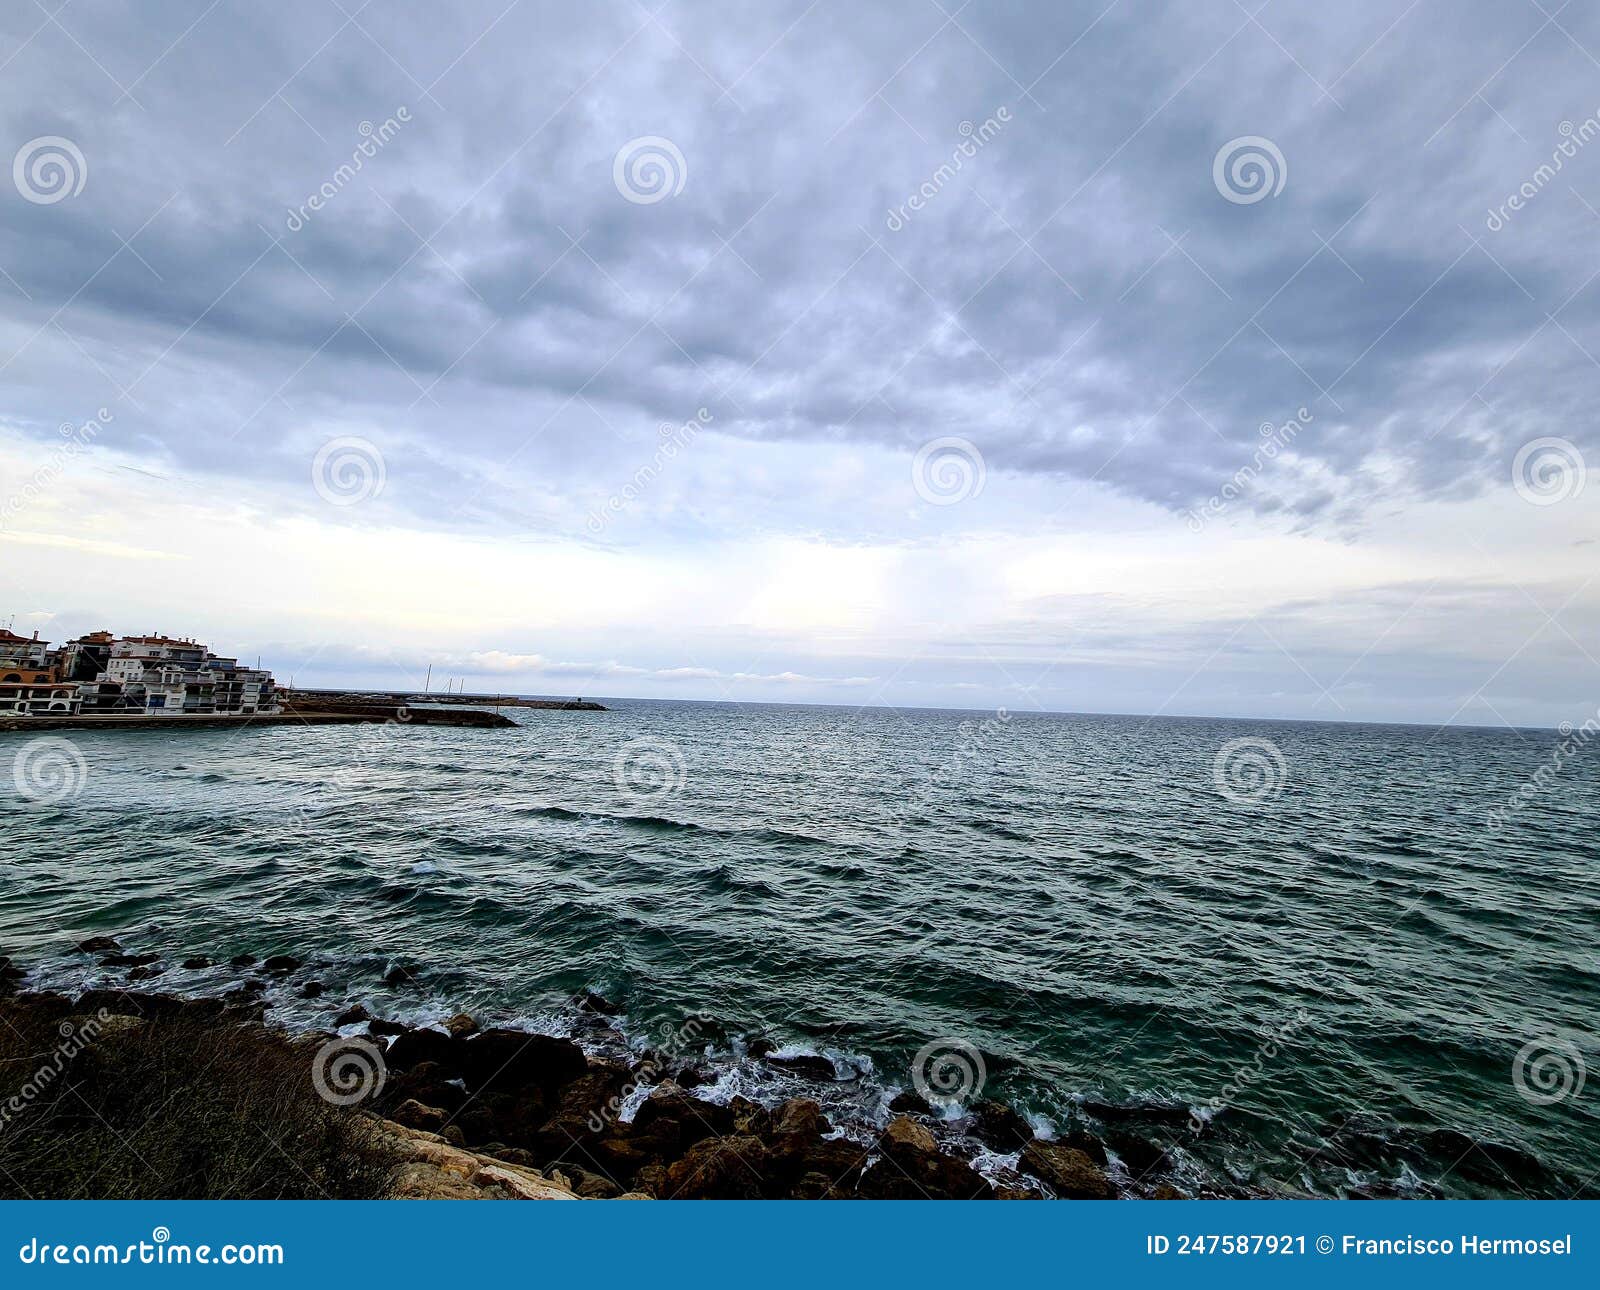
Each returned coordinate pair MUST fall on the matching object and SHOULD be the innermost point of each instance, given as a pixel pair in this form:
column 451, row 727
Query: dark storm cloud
column 1078, row 298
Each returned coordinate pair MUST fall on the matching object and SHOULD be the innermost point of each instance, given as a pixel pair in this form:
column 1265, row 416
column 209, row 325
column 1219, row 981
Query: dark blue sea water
column 1318, row 952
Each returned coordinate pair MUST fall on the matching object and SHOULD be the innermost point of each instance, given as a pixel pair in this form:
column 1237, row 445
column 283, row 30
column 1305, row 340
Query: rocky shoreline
column 473, row 1110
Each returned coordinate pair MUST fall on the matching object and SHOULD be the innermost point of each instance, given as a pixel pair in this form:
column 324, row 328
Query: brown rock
column 461, row 1025
column 905, row 1134
column 996, row 1125
column 1069, row 1173
column 352, row 1015
column 718, row 1169
column 414, row 1115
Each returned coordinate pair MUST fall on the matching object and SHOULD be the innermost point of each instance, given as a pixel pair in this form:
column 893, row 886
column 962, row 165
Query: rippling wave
column 1322, row 990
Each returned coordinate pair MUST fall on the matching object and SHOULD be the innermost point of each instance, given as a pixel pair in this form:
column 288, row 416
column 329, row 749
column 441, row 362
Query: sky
column 1228, row 358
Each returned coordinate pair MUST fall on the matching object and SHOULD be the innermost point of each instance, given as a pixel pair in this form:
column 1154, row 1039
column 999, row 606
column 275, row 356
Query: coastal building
column 150, row 675
column 29, row 682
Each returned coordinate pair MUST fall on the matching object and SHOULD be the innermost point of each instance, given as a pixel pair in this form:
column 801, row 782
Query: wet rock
column 760, row 1047
column 242, row 961
column 1081, row 1139
column 911, row 1174
column 281, row 964
column 750, row 1117
column 793, row 1133
column 996, row 1125
column 905, row 1134
column 1167, row 1192
column 379, row 1026
column 11, row 976
column 129, row 960
column 144, row 973
column 1139, row 1155
column 352, row 1015
column 196, row 963
column 461, row 1025
column 806, row 1065
column 397, row 978
column 589, row 1001
column 312, row 990
column 423, row 1044
column 696, row 1119
column 718, row 1169
column 414, row 1115
column 909, row 1103
column 511, row 1058
column 1014, row 1193
column 1069, row 1173
column 99, row 944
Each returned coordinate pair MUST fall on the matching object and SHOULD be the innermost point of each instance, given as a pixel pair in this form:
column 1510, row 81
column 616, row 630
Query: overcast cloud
column 855, row 229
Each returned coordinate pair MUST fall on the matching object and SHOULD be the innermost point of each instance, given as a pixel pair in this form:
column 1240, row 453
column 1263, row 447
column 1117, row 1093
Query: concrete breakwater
column 335, row 700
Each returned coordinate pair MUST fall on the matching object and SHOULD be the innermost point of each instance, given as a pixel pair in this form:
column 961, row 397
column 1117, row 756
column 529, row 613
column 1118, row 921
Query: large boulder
column 1067, row 1171
column 996, row 1125
column 923, row 1175
column 913, row 1168
column 730, row 1168
column 696, row 1119
column 412, row 1047
column 905, row 1135
column 512, row 1058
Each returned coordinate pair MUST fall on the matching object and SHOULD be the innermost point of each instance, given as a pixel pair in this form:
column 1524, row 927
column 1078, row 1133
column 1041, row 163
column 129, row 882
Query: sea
column 1251, row 958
